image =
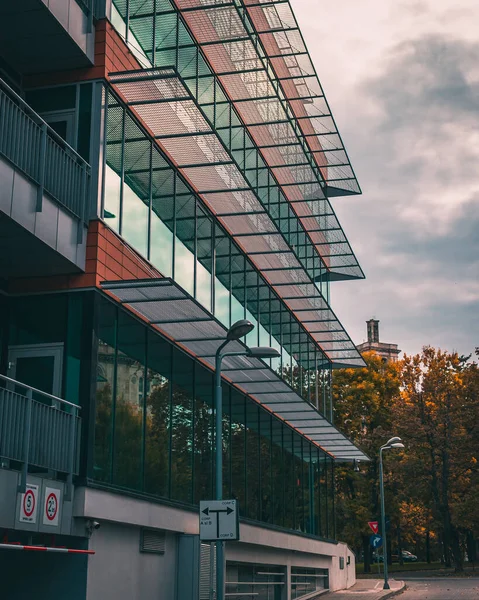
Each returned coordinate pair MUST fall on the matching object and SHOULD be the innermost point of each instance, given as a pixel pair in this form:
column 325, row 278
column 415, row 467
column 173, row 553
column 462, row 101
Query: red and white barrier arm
column 44, row 549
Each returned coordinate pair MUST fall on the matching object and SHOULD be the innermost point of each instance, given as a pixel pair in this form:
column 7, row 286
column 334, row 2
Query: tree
column 437, row 418
column 363, row 401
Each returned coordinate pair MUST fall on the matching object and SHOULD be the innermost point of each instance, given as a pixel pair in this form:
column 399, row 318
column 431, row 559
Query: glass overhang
column 257, row 50
column 175, row 314
column 281, row 105
column 163, row 104
column 257, row 44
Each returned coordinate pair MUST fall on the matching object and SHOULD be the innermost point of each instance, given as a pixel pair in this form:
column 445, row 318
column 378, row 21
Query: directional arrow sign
column 219, row 520
column 376, row 541
column 374, row 526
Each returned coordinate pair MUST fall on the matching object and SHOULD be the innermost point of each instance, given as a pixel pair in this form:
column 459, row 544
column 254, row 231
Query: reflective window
column 157, row 416
column 182, row 428
column 112, row 198
column 161, row 249
column 184, row 267
column 252, row 461
column 129, row 396
column 105, row 389
column 204, row 253
column 203, row 440
column 135, row 220
column 154, row 433
column 238, row 449
column 161, row 217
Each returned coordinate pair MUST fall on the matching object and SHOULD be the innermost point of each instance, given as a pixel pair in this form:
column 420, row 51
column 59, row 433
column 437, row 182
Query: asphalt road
column 441, row 588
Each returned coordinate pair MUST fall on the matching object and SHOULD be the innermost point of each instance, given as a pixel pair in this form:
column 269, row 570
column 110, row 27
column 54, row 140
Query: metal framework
column 162, row 102
column 218, row 54
column 170, row 310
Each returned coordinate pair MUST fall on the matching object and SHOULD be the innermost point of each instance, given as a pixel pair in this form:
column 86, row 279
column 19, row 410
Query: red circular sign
column 51, row 506
column 28, row 503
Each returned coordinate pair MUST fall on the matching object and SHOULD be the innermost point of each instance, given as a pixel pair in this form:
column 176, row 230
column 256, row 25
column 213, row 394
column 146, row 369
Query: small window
column 63, row 123
column 152, row 540
column 341, row 562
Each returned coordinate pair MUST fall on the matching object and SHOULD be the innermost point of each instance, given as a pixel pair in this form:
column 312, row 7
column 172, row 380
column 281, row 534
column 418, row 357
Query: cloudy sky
column 402, row 79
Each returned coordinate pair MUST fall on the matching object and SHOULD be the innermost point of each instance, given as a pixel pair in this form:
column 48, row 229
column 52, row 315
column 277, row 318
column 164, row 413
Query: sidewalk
column 367, row 589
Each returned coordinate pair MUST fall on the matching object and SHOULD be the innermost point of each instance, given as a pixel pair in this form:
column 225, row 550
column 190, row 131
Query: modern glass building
column 167, row 167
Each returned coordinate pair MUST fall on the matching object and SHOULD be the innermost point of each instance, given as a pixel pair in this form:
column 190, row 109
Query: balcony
column 37, row 36
column 39, row 432
column 44, row 192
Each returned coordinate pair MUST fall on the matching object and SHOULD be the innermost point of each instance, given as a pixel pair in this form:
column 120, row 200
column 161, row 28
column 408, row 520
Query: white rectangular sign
column 51, row 507
column 219, row 520
column 29, row 504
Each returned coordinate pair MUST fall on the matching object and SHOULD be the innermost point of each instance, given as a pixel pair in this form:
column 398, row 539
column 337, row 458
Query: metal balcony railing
column 38, row 434
column 37, row 150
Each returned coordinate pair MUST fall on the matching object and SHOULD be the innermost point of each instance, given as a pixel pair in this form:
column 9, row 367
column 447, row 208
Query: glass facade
column 154, row 434
column 148, row 202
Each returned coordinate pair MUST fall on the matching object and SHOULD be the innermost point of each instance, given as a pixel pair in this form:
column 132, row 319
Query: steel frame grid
column 130, row 85
column 244, row 10
column 137, row 294
column 350, row 272
column 284, row 310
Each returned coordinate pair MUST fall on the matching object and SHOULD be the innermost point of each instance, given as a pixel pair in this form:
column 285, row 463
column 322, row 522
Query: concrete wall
column 70, row 15
column 54, row 226
column 118, row 561
column 120, row 571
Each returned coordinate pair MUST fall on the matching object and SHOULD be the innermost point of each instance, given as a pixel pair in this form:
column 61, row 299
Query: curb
column 372, row 596
column 395, row 592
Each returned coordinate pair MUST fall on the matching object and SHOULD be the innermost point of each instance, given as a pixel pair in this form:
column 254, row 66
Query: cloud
column 415, row 146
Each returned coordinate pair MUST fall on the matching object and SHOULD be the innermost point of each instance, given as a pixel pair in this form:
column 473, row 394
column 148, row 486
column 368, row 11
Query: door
column 37, row 365
column 63, row 123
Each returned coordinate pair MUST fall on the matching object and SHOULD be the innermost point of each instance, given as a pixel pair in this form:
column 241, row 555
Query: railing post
column 71, row 455
column 22, row 488
column 42, row 167
column 84, row 195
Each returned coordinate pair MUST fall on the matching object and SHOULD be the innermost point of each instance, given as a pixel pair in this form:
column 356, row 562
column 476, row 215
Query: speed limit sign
column 28, row 504
column 51, row 506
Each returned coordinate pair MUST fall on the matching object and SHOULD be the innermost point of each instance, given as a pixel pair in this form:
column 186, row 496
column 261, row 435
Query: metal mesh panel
column 190, row 325
column 223, row 24
column 265, row 252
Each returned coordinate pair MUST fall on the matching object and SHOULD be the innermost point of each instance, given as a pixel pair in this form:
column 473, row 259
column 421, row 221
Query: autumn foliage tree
column 437, row 417
column 363, row 401
column 431, row 401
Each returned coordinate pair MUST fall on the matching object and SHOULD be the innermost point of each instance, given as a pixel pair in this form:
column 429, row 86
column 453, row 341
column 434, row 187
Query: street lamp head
column 397, row 445
column 239, row 330
column 392, row 441
column 263, row 352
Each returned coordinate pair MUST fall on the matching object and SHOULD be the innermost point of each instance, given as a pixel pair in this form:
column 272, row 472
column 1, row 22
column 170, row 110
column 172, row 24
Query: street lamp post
column 235, row 332
column 394, row 442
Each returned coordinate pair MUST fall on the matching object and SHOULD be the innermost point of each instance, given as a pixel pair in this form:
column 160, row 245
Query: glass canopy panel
column 281, row 40
column 171, row 311
column 243, row 78
column 227, row 39
column 264, row 251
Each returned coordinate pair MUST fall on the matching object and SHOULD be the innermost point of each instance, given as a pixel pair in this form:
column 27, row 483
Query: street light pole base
column 386, row 586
